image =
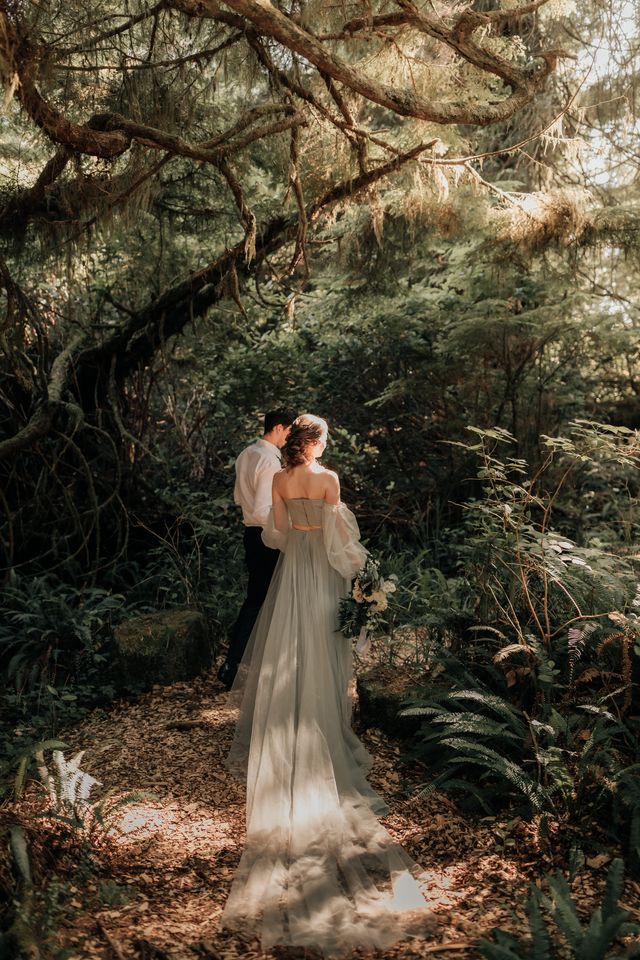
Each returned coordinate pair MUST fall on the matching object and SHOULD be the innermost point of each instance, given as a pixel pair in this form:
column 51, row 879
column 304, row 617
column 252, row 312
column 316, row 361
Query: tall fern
column 584, row 941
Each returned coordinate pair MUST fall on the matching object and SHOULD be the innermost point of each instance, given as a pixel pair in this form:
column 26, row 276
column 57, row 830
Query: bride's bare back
column 308, row 481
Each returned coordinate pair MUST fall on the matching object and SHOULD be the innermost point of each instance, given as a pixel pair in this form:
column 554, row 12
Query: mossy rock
column 382, row 694
column 163, row 647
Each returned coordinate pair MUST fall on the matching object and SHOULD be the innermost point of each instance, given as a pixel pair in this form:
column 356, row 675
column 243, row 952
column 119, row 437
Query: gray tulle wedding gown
column 318, row 869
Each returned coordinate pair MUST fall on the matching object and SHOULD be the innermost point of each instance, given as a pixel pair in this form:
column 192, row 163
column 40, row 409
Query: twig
column 113, row 943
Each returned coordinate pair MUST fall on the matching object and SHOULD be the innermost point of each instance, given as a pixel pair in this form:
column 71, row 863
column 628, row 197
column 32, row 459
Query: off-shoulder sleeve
column 276, row 529
column 342, row 539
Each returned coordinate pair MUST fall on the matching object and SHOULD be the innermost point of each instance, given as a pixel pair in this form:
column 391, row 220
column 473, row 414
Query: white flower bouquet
column 360, row 613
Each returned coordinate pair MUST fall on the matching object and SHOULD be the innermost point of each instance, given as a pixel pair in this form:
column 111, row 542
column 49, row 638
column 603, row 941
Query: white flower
column 389, row 586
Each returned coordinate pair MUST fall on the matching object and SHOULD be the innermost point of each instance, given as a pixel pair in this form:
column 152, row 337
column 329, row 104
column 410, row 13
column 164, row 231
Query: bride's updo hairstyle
column 305, row 431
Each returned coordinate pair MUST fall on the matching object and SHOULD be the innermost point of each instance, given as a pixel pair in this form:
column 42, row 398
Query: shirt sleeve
column 237, row 487
column 262, row 498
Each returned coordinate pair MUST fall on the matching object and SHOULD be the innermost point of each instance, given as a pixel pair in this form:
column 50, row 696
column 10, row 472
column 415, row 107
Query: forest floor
column 154, row 885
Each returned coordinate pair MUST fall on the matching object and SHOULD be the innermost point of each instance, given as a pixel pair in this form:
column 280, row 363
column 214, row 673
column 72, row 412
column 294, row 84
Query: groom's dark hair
column 274, row 417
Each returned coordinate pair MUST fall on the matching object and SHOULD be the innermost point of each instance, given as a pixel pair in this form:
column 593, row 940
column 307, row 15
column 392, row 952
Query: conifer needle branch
column 144, row 332
column 109, row 135
column 355, row 136
column 346, row 126
column 116, row 31
column 525, row 83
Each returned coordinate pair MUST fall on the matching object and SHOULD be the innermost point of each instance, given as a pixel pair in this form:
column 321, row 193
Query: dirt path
column 157, row 884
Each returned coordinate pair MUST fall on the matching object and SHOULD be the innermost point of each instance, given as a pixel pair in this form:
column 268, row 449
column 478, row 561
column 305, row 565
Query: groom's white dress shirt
column 255, row 468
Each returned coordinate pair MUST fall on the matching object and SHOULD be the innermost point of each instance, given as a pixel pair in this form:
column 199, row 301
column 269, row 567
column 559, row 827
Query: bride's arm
column 276, row 529
column 332, row 488
column 280, row 512
column 341, row 534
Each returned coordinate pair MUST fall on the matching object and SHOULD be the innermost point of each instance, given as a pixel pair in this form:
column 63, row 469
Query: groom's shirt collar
column 267, row 445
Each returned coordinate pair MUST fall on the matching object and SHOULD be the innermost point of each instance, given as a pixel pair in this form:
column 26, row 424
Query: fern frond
column 512, row 648
column 613, row 888
column 542, row 945
column 563, row 911
column 505, row 947
column 495, row 703
column 419, row 711
column 601, row 933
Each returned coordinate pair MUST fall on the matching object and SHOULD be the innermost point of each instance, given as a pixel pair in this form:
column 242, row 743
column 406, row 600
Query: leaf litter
column 153, row 886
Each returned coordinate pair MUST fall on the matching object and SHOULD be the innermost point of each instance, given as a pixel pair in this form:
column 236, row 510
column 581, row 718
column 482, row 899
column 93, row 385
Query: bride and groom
column 318, row 868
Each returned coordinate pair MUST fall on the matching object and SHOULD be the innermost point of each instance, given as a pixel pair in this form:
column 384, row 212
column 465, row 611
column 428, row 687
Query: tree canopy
column 184, row 161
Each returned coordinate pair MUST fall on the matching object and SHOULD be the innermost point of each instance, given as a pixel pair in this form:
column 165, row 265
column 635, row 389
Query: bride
column 318, row 869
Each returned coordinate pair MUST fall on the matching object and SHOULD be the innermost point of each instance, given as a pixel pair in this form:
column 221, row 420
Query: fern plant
column 590, row 940
column 625, row 786
column 472, row 740
column 533, row 579
column 50, row 629
column 490, row 752
column 68, row 789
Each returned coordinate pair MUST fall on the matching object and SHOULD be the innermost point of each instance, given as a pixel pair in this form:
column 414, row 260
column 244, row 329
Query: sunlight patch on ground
column 215, row 718
column 172, row 825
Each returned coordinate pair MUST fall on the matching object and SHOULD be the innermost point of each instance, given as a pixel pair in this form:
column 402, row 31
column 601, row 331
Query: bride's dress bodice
column 339, row 534
column 305, row 512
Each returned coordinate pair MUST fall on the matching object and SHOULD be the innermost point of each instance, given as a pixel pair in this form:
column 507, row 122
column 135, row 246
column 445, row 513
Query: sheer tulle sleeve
column 276, row 529
column 342, row 539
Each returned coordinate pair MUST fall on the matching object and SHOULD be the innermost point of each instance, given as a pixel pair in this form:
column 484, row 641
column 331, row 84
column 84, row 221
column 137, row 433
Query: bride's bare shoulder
column 278, row 479
column 331, row 481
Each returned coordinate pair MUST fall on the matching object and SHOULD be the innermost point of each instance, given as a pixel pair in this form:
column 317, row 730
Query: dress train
column 318, row 869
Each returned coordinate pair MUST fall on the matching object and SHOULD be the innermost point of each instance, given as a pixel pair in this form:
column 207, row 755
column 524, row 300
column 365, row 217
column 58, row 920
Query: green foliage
column 584, row 941
column 51, row 630
column 196, row 560
column 472, row 740
column 536, row 580
column 537, row 703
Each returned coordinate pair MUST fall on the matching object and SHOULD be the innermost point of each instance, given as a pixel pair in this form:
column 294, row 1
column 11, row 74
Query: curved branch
column 525, row 83
column 26, row 203
column 211, row 151
column 146, row 332
column 42, row 421
column 110, row 135
column 19, row 62
column 137, row 341
column 476, row 17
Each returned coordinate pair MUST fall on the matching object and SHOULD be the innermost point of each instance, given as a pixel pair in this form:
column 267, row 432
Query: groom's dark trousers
column 261, row 562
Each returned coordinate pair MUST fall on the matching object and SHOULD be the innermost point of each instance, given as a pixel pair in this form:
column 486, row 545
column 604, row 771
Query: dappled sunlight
column 172, row 831
column 440, row 888
column 174, row 848
column 405, row 894
column 469, row 878
column 214, row 719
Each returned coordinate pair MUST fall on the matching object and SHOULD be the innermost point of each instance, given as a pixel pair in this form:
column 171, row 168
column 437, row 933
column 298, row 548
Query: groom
column 255, row 468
